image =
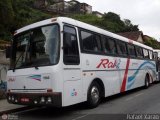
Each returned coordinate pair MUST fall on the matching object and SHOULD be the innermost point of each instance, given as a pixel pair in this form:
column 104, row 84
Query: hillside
column 110, row 21
column 17, row 13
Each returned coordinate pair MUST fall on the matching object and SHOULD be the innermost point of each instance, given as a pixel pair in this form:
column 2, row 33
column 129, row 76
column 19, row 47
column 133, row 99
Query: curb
column 16, row 110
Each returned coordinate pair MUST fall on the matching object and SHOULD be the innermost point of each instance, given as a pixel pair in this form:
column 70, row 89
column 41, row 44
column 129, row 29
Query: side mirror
column 67, row 40
column 8, row 52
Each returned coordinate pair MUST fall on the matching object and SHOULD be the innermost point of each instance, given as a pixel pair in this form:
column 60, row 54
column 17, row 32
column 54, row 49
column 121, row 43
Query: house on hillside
column 4, row 44
column 59, row 7
column 146, row 37
column 86, row 8
column 56, row 1
column 77, row 7
column 98, row 14
column 72, row 6
column 135, row 35
column 40, row 4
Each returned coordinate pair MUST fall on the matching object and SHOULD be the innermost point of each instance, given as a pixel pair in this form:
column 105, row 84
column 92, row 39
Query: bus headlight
column 35, row 102
column 42, row 100
column 49, row 100
column 9, row 97
column 16, row 100
column 12, row 98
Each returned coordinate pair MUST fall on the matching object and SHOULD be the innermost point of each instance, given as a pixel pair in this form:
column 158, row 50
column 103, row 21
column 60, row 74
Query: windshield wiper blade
column 14, row 69
column 36, row 67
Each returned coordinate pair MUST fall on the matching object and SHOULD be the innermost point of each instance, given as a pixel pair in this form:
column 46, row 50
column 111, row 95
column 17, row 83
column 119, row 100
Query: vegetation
column 110, row 21
column 18, row 13
column 152, row 42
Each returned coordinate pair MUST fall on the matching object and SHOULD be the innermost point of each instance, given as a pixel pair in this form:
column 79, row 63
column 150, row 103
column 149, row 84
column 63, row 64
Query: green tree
column 17, row 13
column 113, row 22
column 6, row 12
column 152, row 43
column 110, row 21
column 129, row 26
column 7, row 18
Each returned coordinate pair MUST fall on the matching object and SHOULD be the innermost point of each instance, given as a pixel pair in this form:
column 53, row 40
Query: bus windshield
column 36, row 47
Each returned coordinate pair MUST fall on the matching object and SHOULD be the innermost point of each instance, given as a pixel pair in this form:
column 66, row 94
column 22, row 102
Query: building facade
column 135, row 35
column 86, row 8
column 98, row 14
column 61, row 6
column 40, row 4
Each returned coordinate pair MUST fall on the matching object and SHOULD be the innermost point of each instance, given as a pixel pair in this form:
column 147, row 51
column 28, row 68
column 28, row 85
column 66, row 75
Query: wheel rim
column 95, row 94
column 147, row 82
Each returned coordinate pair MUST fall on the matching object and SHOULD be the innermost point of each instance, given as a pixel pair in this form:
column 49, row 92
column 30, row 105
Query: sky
column 144, row 13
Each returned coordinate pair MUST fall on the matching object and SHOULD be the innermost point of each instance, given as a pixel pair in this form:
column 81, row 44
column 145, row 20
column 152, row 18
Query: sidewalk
column 6, row 108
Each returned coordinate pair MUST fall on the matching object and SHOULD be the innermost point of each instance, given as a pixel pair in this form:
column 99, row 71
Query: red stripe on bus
column 130, row 41
column 123, row 87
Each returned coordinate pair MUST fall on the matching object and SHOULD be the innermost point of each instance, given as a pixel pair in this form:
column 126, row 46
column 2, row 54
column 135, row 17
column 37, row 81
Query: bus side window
column 146, row 54
column 121, row 48
column 131, row 50
column 109, row 46
column 155, row 56
column 91, row 42
column 150, row 54
column 70, row 46
column 139, row 52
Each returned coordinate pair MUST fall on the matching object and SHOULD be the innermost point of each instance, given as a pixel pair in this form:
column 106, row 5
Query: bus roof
column 156, row 50
column 81, row 25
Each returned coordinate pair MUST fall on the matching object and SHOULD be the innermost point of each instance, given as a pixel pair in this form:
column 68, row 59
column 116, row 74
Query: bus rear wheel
column 94, row 95
column 147, row 83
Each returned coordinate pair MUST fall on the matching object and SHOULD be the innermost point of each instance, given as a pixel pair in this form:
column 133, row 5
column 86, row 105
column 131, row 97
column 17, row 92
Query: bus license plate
column 24, row 99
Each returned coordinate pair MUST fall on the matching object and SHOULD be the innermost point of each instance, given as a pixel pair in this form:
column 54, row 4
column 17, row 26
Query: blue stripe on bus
column 131, row 79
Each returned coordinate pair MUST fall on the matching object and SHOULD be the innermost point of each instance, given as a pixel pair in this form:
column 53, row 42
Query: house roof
column 131, row 35
column 96, row 12
column 147, row 37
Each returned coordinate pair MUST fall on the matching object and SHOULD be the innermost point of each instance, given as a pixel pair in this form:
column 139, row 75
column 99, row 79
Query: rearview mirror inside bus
column 8, row 52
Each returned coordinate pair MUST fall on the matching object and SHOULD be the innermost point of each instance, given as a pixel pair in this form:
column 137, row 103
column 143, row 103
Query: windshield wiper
column 31, row 64
column 36, row 67
column 17, row 61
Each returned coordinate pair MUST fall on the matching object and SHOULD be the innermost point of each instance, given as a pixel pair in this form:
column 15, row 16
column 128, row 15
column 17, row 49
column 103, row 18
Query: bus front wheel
column 93, row 99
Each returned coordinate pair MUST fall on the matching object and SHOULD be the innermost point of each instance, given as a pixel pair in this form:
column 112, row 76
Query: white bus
column 156, row 53
column 62, row 61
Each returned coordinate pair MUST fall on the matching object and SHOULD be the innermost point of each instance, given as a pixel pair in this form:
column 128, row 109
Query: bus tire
column 94, row 95
column 147, row 83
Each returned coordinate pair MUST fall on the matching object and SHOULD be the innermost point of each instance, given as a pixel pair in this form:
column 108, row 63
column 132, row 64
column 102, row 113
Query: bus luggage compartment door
column 72, row 86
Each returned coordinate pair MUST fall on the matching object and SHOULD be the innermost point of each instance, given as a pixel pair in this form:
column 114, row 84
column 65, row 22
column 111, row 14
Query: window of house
column 121, row 48
column 70, row 46
column 91, row 42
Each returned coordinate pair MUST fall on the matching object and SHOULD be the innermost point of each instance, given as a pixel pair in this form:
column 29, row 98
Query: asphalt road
column 132, row 105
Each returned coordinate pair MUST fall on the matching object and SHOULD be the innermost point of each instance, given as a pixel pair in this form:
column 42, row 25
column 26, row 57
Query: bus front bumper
column 42, row 99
